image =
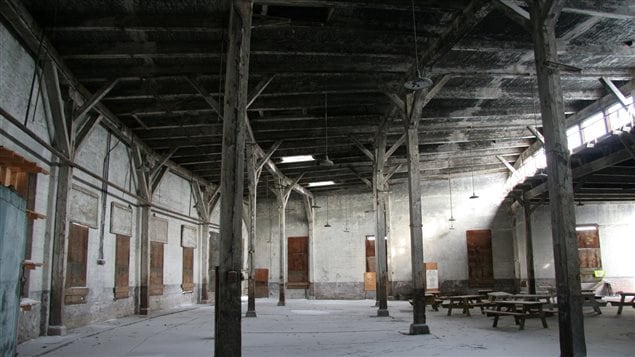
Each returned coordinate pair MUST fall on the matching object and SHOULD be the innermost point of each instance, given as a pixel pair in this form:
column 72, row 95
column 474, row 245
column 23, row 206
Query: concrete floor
column 335, row 328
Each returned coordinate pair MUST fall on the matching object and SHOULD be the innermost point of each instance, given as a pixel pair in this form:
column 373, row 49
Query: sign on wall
column 159, row 230
column 432, row 276
column 84, row 206
column 120, row 219
column 188, row 236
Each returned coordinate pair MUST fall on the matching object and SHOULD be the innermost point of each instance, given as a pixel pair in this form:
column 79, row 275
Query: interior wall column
column 282, row 204
column 380, row 189
column 228, row 339
column 544, row 15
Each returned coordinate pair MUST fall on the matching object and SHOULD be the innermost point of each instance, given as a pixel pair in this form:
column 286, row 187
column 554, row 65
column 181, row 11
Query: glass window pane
column 573, row 137
column 593, row 127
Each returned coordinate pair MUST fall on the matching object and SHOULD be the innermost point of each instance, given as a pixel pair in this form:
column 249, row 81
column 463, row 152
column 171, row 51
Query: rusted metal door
column 262, row 283
column 298, row 262
column 122, row 267
column 479, row 258
column 156, row 268
column 188, row 269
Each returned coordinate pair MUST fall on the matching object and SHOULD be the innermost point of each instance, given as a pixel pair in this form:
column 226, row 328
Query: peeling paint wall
column 616, row 223
column 172, row 201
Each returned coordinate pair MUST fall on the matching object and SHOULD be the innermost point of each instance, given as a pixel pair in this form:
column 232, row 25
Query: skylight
column 321, row 183
column 296, row 158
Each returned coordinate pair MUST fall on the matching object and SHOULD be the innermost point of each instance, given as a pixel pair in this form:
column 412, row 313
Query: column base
column 250, row 314
column 382, row 312
column 419, row 329
column 56, row 330
column 280, row 303
column 144, row 311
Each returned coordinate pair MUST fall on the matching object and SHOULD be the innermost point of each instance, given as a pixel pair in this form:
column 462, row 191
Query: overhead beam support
column 395, row 146
column 361, row 148
column 514, row 12
column 506, row 163
column 206, row 96
column 85, row 129
column 544, row 15
column 260, row 87
column 536, row 133
column 94, row 99
column 366, row 181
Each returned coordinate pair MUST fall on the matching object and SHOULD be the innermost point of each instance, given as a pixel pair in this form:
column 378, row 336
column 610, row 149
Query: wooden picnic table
column 533, row 297
column 466, row 302
column 623, row 296
column 589, row 298
column 520, row 310
column 499, row 295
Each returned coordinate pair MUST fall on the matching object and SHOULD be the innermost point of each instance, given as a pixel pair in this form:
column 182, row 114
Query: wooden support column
column 544, row 14
column 529, row 248
column 145, row 192
column 282, row 195
column 62, row 141
column 380, row 188
column 228, row 327
column 252, row 176
column 418, row 326
column 58, row 266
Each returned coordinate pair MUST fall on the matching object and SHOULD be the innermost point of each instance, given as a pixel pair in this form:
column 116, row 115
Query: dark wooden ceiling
column 168, row 55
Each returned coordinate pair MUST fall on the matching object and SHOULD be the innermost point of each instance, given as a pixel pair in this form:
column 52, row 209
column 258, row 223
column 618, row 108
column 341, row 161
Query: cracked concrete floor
column 335, row 328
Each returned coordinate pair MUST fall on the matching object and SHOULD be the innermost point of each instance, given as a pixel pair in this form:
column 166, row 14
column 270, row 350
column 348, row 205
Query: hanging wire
column 220, row 79
column 326, row 125
column 327, row 225
column 414, row 32
column 474, row 195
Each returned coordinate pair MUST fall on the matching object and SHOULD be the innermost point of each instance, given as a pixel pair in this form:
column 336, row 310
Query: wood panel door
column 156, row 268
column 479, row 258
column 298, row 262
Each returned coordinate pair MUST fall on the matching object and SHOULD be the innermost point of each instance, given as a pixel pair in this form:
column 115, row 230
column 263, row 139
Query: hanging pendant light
column 327, row 225
column 325, row 161
column 452, row 219
column 418, row 82
column 346, row 230
column 474, row 195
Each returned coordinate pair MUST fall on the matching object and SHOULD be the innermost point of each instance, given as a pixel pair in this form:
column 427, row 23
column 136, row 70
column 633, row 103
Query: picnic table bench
column 624, row 301
column 519, row 309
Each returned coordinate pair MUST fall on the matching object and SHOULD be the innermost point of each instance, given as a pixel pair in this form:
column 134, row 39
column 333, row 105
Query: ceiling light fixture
column 325, row 161
column 346, row 230
column 327, row 225
column 321, row 183
column 474, row 195
column 296, row 158
column 451, row 220
column 419, row 82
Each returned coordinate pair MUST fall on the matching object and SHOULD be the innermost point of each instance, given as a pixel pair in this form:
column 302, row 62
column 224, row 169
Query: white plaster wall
column 448, row 247
column 616, row 226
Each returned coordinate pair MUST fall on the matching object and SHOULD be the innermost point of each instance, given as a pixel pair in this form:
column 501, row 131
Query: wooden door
column 298, row 262
column 479, row 258
column 262, row 283
column 122, row 267
column 156, row 268
column 589, row 253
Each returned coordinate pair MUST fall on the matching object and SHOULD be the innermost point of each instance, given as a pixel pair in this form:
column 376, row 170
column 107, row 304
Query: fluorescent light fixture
column 321, row 183
column 296, row 158
column 586, row 228
column 373, row 238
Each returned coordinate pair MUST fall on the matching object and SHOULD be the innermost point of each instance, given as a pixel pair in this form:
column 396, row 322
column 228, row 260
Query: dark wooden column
column 252, row 176
column 529, row 249
column 544, row 14
column 418, row 326
column 62, row 142
column 228, row 328
column 380, row 242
